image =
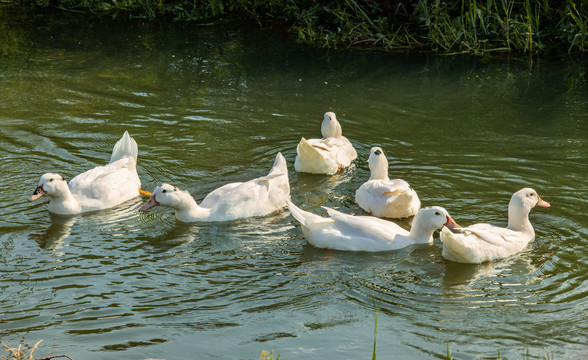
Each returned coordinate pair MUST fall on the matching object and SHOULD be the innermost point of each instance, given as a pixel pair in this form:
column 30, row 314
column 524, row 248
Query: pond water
column 210, row 105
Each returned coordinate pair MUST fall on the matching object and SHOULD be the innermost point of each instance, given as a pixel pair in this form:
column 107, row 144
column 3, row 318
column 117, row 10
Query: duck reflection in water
column 171, row 236
column 59, row 229
column 457, row 274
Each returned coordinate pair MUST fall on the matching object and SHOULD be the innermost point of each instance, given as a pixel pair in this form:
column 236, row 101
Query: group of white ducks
column 107, row 186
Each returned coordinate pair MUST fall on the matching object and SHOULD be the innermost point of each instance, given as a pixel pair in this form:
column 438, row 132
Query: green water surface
column 210, row 105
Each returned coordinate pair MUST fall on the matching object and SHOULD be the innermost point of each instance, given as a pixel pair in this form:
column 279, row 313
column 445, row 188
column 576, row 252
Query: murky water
column 214, row 104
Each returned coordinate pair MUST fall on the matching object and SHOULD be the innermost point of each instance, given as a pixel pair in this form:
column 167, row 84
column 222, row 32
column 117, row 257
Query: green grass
column 375, row 332
column 448, row 27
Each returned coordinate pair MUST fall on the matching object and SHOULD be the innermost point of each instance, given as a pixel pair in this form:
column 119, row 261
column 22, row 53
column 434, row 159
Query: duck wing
column 106, row 184
column 343, row 148
column 493, row 235
column 481, row 243
column 366, row 225
column 388, row 198
column 237, row 200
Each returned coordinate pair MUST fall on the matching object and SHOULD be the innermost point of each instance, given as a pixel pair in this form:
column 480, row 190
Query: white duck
column 383, row 197
column 100, row 188
column 367, row 233
column 256, row 197
column 484, row 242
column 328, row 155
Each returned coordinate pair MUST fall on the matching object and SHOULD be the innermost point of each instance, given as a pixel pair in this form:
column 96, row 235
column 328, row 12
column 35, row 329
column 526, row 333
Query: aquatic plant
column 375, row 332
column 499, row 25
column 20, row 353
column 449, row 356
column 467, row 26
column 268, row 355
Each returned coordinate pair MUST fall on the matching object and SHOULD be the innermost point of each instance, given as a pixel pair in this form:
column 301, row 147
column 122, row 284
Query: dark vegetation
column 466, row 26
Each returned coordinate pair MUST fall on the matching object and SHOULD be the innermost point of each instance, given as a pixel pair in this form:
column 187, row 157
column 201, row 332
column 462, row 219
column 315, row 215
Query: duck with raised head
column 483, row 242
column 341, row 231
column 256, row 197
column 383, row 197
column 100, row 188
column 328, row 155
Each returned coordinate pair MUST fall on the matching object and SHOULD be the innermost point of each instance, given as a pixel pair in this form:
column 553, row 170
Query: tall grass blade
column 449, row 356
column 375, row 333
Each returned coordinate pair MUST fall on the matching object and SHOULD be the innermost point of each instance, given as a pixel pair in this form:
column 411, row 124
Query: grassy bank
column 466, row 26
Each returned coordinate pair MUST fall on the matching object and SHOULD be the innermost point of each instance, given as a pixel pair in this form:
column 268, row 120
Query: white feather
column 100, row 188
column 327, row 155
column 484, row 242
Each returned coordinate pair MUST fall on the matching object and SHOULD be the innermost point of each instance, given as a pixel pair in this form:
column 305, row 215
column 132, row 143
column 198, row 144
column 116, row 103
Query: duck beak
column 542, row 203
column 451, row 224
column 143, row 192
column 149, row 204
column 38, row 193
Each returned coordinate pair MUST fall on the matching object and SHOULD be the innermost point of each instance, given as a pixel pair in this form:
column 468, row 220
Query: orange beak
column 451, row 224
column 143, row 192
column 542, row 202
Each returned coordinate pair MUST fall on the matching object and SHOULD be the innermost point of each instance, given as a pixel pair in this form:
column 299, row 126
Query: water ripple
column 465, row 135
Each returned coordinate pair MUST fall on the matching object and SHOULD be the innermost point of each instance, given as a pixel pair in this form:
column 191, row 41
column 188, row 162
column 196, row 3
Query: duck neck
column 331, row 129
column 188, row 210
column 419, row 232
column 421, row 235
column 379, row 170
column 518, row 219
column 64, row 203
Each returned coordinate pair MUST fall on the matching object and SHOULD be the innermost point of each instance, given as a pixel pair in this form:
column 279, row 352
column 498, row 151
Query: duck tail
column 125, row 147
column 306, row 151
column 280, row 166
column 296, row 212
column 457, row 250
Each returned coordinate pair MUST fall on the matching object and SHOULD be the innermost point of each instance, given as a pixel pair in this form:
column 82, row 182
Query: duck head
column 378, row 164
column 429, row 219
column 53, row 185
column 527, row 199
column 330, row 127
column 519, row 207
column 434, row 217
column 165, row 195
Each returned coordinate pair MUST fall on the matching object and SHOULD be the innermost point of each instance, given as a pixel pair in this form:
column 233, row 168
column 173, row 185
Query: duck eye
column 164, row 191
column 377, row 152
column 50, row 180
column 437, row 213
